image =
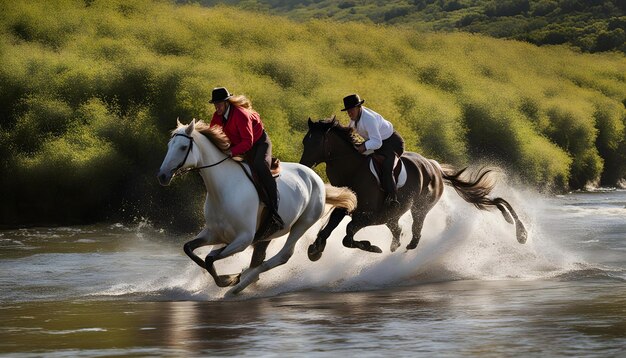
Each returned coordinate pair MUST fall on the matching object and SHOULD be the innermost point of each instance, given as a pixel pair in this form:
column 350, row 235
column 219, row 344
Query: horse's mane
column 346, row 133
column 214, row 134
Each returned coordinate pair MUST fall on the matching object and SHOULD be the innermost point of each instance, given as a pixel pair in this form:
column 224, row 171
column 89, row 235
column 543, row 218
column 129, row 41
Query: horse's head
column 180, row 152
column 327, row 140
column 314, row 142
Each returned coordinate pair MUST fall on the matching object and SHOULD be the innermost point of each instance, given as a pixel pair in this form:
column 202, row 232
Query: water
column 468, row 290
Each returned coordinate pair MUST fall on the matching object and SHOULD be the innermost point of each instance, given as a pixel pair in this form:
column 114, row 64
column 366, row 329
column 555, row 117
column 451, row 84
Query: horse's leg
column 239, row 244
column 520, row 230
column 474, row 192
column 396, row 231
column 419, row 215
column 190, row 246
column 317, row 248
column 252, row 274
column 258, row 255
column 220, row 280
column 358, row 222
column 202, row 239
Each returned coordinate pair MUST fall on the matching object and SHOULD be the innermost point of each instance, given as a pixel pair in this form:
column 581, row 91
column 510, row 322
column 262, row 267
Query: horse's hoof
column 375, row 249
column 228, row 280
column 394, row 246
column 522, row 235
column 411, row 246
column 314, row 253
column 371, row 248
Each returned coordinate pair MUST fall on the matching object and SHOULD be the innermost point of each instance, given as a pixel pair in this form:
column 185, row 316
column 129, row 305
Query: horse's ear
column 178, row 124
column 310, row 123
column 333, row 118
column 190, row 127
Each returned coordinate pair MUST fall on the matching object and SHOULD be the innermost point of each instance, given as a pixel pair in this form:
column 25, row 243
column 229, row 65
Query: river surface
column 469, row 289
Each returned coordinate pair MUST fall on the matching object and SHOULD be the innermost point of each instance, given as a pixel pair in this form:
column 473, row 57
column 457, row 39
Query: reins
column 179, row 171
column 328, row 150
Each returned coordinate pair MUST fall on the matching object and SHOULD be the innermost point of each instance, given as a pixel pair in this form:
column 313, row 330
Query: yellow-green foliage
column 90, row 89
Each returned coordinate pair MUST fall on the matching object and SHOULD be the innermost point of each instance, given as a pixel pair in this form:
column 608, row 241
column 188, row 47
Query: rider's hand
column 238, row 158
column 361, row 148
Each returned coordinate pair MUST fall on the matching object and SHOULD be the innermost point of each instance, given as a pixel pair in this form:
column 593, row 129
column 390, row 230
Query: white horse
column 232, row 209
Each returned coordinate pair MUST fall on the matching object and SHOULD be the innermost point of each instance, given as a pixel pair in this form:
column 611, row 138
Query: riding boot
column 262, row 159
column 391, row 197
column 271, row 223
column 277, row 221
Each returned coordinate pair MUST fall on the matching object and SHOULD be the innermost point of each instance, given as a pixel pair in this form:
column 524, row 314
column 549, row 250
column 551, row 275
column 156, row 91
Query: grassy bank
column 90, row 89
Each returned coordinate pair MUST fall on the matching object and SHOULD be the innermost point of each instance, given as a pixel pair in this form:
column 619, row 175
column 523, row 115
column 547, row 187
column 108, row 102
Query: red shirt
column 243, row 128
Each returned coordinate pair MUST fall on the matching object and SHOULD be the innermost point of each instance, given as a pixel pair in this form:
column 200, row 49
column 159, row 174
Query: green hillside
column 591, row 26
column 89, row 91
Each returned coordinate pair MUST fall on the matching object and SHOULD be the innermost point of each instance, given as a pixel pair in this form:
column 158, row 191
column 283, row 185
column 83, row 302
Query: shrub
column 573, row 130
column 502, row 135
column 346, row 4
column 609, row 118
column 44, row 117
column 543, row 7
column 434, row 75
column 507, row 7
column 608, row 40
column 70, row 180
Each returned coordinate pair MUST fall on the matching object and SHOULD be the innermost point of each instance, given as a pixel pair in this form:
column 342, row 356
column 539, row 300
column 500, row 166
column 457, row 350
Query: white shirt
column 373, row 128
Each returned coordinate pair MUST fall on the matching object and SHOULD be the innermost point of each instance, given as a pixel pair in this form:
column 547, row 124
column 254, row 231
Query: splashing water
column 458, row 242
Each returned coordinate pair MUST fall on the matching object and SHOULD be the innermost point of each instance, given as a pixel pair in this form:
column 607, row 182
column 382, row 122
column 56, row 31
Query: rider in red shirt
column 243, row 127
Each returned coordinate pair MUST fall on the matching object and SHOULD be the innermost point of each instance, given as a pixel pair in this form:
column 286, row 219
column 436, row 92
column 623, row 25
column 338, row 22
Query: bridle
column 178, row 169
column 328, row 155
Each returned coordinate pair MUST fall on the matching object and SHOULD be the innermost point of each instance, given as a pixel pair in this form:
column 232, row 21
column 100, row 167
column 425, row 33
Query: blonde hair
column 241, row 101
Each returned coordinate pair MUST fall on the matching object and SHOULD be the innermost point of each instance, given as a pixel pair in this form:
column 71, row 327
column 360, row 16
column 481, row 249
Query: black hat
column 352, row 100
column 219, row 94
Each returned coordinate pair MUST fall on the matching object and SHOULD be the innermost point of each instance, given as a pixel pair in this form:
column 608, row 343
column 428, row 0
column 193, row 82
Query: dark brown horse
column 327, row 141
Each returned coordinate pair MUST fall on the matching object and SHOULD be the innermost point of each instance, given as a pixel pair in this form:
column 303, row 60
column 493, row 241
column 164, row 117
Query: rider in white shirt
column 380, row 138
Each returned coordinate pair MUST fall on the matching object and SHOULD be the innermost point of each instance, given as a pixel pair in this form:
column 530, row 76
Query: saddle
column 399, row 170
column 275, row 169
column 265, row 228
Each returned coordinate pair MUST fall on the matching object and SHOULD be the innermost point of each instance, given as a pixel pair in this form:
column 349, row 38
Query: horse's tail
column 340, row 197
column 476, row 189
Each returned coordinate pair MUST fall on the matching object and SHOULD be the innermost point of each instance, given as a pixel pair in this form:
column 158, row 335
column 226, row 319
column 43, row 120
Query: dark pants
column 394, row 145
column 261, row 160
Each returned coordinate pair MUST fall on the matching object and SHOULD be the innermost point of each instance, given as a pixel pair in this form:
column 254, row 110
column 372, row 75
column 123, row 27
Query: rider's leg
column 387, row 181
column 392, row 146
column 261, row 162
